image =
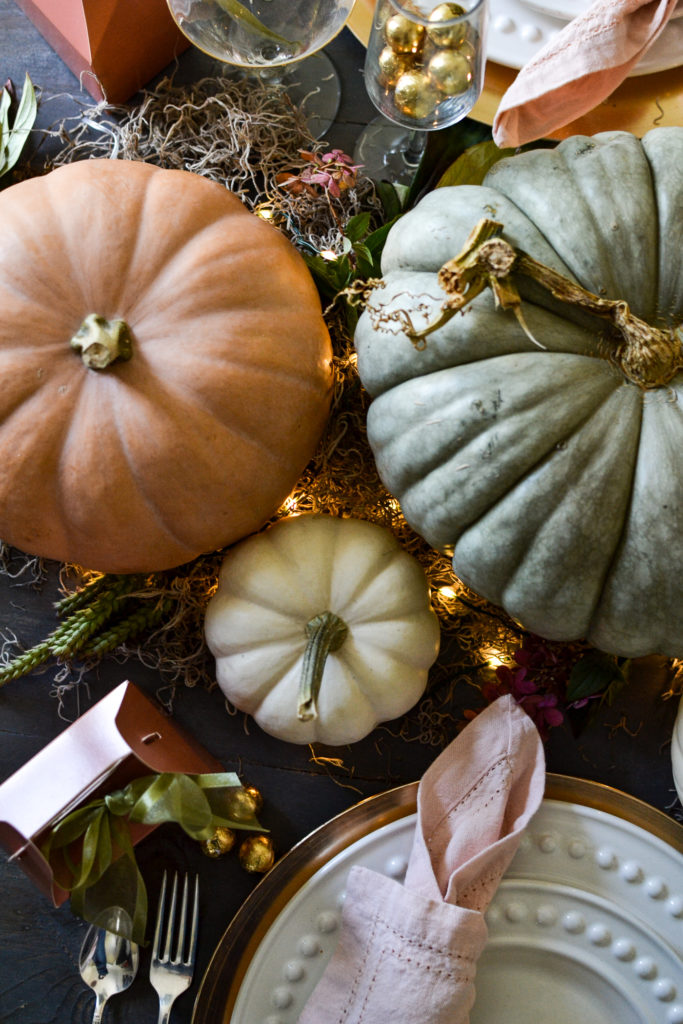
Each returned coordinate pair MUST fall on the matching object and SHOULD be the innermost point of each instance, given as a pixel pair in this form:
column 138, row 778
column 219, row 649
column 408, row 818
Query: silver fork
column 172, row 974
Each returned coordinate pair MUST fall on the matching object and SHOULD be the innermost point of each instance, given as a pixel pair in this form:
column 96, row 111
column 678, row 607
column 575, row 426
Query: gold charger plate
column 640, row 103
column 220, row 986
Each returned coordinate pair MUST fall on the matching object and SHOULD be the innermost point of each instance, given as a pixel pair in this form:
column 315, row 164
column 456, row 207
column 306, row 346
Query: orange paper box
column 120, row 738
column 114, row 46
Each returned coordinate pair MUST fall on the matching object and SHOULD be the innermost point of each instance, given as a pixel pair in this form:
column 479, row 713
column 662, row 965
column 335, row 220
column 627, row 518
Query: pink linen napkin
column 407, row 953
column 579, row 68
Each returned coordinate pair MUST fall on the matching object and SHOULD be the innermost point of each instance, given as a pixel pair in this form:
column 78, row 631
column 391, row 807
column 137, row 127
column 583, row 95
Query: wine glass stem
column 415, row 147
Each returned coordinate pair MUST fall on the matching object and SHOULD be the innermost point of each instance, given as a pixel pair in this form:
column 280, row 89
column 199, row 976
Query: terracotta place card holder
column 113, row 46
column 120, row 738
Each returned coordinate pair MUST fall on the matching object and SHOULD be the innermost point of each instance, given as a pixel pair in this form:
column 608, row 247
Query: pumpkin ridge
column 231, row 431
column 293, row 374
column 248, row 589
column 579, row 167
column 25, row 471
column 492, row 498
column 663, row 149
column 171, row 273
column 159, row 192
column 531, row 541
column 81, row 188
column 415, row 474
column 35, row 283
column 72, row 440
column 647, row 527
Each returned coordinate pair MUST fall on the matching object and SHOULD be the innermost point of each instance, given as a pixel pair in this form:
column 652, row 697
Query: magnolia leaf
column 472, row 166
column 592, row 675
column 390, row 199
column 23, row 122
column 13, row 138
column 5, row 102
column 442, row 150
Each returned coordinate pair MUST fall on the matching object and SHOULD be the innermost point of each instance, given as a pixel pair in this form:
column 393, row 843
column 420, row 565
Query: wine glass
column 424, row 69
column 265, row 37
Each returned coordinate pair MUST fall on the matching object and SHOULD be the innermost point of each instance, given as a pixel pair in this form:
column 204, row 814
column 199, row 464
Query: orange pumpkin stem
column 100, row 341
column 326, row 632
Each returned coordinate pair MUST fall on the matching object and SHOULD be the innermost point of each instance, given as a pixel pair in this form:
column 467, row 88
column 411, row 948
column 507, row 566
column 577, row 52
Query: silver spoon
column 108, row 963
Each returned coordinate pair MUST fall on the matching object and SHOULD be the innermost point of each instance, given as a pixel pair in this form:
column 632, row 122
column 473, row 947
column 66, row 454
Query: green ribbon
column 91, row 852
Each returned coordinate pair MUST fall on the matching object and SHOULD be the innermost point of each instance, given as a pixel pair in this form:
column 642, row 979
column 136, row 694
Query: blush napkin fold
column 579, row 68
column 407, row 952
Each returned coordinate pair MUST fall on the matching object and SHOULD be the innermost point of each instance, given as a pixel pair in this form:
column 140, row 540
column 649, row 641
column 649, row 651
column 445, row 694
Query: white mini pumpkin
column 288, row 595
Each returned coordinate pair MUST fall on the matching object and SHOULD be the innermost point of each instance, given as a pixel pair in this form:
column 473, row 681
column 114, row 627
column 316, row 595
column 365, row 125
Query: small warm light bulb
column 448, row 592
column 265, row 212
column 328, row 254
column 493, row 657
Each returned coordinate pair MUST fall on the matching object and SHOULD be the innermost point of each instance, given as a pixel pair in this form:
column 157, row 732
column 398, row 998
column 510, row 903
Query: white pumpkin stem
column 326, row 632
column 100, row 341
column 648, row 356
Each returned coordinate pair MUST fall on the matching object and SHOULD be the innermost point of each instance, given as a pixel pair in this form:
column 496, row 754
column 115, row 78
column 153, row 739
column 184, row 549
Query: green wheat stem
column 110, row 582
column 133, row 625
column 72, row 634
column 25, row 662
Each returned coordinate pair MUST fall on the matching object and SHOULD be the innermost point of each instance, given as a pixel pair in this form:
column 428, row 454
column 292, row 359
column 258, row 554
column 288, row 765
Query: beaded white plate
column 565, row 10
column 518, row 29
column 587, row 924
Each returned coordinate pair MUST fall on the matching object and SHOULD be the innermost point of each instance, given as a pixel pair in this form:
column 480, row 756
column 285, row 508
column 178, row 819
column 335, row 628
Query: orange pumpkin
column 194, row 440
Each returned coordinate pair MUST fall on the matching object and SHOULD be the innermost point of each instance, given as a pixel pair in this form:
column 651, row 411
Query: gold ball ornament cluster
column 423, row 65
column 256, row 853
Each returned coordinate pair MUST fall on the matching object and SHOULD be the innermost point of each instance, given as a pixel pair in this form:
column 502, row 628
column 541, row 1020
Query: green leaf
column 390, row 199
column 357, row 227
column 23, row 122
column 443, row 148
column 363, row 253
column 5, row 102
column 375, row 241
column 473, row 165
column 592, row 675
column 329, row 275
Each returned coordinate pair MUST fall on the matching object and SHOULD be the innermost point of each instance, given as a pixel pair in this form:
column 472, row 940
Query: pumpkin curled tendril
column 647, row 356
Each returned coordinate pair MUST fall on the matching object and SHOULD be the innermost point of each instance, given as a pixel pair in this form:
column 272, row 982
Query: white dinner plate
column 565, row 10
column 518, row 29
column 587, row 924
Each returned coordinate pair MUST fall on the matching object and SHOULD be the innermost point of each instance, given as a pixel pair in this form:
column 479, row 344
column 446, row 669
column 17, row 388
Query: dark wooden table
column 39, row 981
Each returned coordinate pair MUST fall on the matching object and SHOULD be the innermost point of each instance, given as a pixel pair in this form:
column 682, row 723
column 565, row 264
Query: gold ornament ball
column 391, row 66
column 449, row 36
column 256, row 796
column 220, row 843
column 256, row 854
column 414, row 95
column 403, row 35
column 243, row 805
column 468, row 50
column 450, row 72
